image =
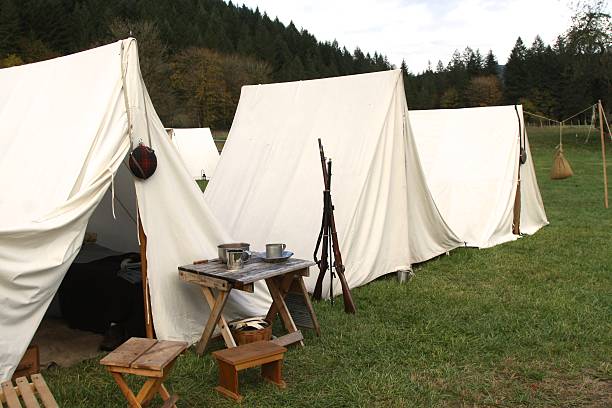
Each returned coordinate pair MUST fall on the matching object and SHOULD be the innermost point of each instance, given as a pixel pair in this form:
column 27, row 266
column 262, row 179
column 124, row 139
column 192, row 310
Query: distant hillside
column 172, row 35
column 196, row 54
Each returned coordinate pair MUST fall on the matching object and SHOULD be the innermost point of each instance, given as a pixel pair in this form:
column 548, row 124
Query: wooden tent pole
column 603, row 153
column 516, row 219
column 516, row 210
column 145, row 285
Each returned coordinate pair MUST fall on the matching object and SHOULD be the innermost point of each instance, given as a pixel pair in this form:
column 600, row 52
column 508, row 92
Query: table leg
column 272, row 372
column 148, row 390
column 223, row 326
column 300, row 286
column 228, row 381
column 127, row 392
column 213, row 319
column 281, row 306
column 284, row 286
column 165, row 396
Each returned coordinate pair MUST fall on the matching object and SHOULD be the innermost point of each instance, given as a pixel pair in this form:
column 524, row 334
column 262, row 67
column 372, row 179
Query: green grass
column 220, row 136
column 527, row 323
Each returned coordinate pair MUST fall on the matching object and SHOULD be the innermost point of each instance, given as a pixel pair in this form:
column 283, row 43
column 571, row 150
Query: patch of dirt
column 61, row 345
column 583, row 392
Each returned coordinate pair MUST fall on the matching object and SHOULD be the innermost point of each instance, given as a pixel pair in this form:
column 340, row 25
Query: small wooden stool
column 27, row 391
column 264, row 353
column 149, row 358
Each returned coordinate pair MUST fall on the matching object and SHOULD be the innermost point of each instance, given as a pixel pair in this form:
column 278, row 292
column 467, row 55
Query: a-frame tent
column 197, row 149
column 268, row 184
column 66, row 126
column 470, row 159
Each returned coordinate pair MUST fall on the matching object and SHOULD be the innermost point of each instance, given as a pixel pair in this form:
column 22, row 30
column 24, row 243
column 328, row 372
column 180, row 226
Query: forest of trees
column 196, row 54
column 551, row 80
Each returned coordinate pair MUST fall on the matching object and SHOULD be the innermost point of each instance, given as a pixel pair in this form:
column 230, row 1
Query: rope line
column 560, row 121
column 540, row 116
column 584, row 110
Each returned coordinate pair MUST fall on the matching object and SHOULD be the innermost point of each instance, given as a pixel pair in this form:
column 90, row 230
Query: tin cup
column 236, row 258
column 275, row 250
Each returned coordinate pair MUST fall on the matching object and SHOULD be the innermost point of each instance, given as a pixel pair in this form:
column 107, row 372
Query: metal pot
column 222, row 249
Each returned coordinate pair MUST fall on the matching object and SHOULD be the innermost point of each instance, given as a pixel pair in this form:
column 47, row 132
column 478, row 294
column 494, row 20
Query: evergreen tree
column 516, row 73
column 404, row 67
column 490, row 64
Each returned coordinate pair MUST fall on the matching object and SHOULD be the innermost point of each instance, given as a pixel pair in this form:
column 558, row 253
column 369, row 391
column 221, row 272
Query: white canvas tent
column 197, row 149
column 470, row 160
column 268, row 184
column 65, row 128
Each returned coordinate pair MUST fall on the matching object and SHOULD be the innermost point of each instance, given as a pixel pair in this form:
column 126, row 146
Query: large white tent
column 268, row 184
column 197, row 149
column 65, row 129
column 470, row 159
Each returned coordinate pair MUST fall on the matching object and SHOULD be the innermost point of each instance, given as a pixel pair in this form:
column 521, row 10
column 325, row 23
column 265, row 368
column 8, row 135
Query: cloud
column 420, row 31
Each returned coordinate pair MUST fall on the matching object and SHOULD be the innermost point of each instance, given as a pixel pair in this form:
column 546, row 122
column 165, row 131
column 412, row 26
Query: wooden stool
column 264, row 353
column 10, row 395
column 149, row 358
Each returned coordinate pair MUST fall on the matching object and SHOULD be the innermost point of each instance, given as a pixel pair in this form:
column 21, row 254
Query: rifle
column 328, row 242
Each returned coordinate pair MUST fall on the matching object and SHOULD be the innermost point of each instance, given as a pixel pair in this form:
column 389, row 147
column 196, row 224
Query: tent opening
column 99, row 303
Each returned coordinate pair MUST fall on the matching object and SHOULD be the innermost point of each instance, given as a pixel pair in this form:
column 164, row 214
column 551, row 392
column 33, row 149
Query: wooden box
column 29, row 364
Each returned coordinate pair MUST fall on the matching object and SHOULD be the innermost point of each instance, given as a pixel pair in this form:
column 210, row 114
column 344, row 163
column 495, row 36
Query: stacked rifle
column 331, row 258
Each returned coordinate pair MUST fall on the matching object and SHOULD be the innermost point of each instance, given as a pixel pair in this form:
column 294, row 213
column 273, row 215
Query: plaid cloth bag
column 143, row 161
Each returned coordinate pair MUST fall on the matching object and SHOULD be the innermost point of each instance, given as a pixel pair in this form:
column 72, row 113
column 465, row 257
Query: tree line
column 196, row 55
column 555, row 80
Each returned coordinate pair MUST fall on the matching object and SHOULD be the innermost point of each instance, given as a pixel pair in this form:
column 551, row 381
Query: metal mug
column 222, row 249
column 275, row 250
column 236, row 258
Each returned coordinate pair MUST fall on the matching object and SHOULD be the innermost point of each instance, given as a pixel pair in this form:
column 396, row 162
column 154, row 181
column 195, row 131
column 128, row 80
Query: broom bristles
column 561, row 168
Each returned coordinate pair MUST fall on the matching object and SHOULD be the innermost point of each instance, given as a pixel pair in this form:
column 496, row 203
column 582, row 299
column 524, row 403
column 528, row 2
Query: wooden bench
column 264, row 353
column 149, row 358
column 28, row 392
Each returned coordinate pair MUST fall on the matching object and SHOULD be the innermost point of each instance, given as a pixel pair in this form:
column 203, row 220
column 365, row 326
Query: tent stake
column 603, row 153
column 145, row 285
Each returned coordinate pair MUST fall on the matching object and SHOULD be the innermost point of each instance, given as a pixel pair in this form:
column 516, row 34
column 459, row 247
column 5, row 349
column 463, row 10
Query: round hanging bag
column 143, row 161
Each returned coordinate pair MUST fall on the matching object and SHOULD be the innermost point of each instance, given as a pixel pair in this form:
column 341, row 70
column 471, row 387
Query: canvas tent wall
column 470, row 161
column 65, row 127
column 268, row 184
column 197, row 149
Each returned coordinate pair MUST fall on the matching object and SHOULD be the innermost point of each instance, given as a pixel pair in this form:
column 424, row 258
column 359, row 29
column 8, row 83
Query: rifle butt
column 316, row 294
column 349, row 304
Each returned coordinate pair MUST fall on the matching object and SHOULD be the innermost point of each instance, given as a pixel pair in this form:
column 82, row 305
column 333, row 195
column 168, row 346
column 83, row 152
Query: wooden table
column 279, row 277
column 149, row 358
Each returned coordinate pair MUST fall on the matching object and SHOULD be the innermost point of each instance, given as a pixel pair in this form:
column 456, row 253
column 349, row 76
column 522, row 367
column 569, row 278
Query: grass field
column 527, row 323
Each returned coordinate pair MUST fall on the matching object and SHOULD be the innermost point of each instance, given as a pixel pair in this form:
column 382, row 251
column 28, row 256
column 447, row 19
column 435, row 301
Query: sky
column 420, row 30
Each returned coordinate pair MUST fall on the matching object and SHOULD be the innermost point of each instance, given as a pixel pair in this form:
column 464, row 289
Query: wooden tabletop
column 149, row 354
column 254, row 269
